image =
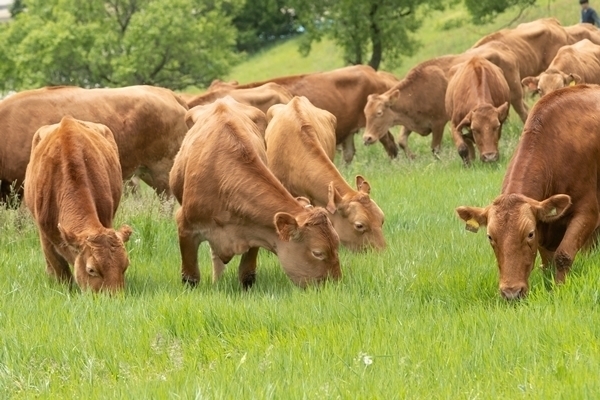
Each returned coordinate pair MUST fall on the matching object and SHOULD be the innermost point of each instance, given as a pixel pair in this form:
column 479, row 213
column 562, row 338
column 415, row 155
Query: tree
column 262, row 22
column 484, row 11
column 16, row 8
column 170, row 43
column 369, row 31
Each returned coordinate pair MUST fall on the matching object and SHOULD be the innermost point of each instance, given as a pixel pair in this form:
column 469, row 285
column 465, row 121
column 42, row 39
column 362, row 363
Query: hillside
column 450, row 33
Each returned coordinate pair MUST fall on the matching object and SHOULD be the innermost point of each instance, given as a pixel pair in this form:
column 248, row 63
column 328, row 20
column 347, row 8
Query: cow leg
column 437, row 134
column 56, row 265
column 217, row 264
column 389, row 145
column 348, row 148
column 580, row 229
column 247, row 268
column 188, row 246
column 461, row 146
column 403, row 142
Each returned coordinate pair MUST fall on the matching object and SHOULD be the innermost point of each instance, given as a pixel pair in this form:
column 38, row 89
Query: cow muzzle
column 490, row 157
column 514, row 292
column 369, row 139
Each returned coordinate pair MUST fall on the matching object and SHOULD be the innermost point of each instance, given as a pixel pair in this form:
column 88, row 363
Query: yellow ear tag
column 472, row 225
column 572, row 83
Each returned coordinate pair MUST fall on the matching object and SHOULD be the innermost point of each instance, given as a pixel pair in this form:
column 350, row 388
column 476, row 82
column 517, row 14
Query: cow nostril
column 367, row 139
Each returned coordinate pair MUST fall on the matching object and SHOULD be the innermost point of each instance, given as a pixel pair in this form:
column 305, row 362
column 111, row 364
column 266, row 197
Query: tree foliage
column 369, row 31
column 262, row 22
column 170, row 43
column 484, row 11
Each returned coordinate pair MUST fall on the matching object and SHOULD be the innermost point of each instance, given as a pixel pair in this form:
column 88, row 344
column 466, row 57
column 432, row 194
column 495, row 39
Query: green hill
column 450, row 33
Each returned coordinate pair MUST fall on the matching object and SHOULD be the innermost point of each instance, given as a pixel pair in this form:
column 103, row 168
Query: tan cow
column 343, row 92
column 477, row 102
column 299, row 137
column 147, row 122
column 229, row 198
column 583, row 31
column 551, row 190
column 73, row 188
column 261, row 97
column 574, row 64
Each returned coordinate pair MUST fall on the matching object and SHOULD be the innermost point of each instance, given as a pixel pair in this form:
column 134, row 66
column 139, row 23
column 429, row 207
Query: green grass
column 426, row 311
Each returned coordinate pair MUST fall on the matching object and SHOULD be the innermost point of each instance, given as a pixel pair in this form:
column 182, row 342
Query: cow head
column 484, row 123
column 308, row 246
column 379, row 114
column 101, row 259
column 511, row 222
column 550, row 81
column 356, row 217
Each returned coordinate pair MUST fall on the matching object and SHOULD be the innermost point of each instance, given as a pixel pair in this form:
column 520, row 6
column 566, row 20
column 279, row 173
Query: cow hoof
column 191, row 282
column 248, row 281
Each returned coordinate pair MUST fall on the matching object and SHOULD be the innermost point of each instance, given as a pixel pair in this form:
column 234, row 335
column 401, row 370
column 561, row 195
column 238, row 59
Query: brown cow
column 477, row 101
column 583, row 31
column 73, row 188
column 298, row 138
column 147, row 122
column 229, row 197
column 574, row 64
column 261, row 97
column 343, row 92
column 551, row 190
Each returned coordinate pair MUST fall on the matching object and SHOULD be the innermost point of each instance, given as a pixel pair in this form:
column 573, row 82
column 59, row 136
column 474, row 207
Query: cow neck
column 528, row 174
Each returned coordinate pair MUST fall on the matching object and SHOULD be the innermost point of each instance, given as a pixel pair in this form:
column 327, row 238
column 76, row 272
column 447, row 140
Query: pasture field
column 421, row 320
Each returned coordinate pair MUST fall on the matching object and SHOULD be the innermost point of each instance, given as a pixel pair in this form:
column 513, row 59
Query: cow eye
column 319, row 255
column 379, row 113
column 91, row 271
column 531, row 235
column 359, row 226
column 490, row 237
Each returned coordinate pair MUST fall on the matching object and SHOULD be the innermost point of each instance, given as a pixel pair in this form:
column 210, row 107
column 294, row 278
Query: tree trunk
column 375, row 38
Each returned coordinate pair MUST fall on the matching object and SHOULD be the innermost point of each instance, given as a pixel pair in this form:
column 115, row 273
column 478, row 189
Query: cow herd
column 252, row 165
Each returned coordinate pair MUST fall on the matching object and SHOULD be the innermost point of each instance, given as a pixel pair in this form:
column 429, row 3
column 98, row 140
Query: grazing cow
column 147, row 122
column 261, row 97
column 343, row 92
column 73, row 187
column 299, row 137
column 477, row 102
column 551, row 190
column 229, row 197
column 574, row 64
column 416, row 103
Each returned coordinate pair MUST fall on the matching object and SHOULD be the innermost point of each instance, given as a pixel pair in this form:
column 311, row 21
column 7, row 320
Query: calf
column 300, row 142
column 542, row 207
column 229, row 198
column 73, row 187
column 477, row 102
column 574, row 64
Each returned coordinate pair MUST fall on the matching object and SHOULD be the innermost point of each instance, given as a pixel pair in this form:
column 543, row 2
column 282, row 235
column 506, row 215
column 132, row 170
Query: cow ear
column 573, row 79
column 362, row 185
column 304, row 202
column 465, row 123
column 552, row 208
column 70, row 239
column 286, row 226
column 124, row 233
column 473, row 216
column 392, row 98
column 333, row 198
column 531, row 83
column 502, row 112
